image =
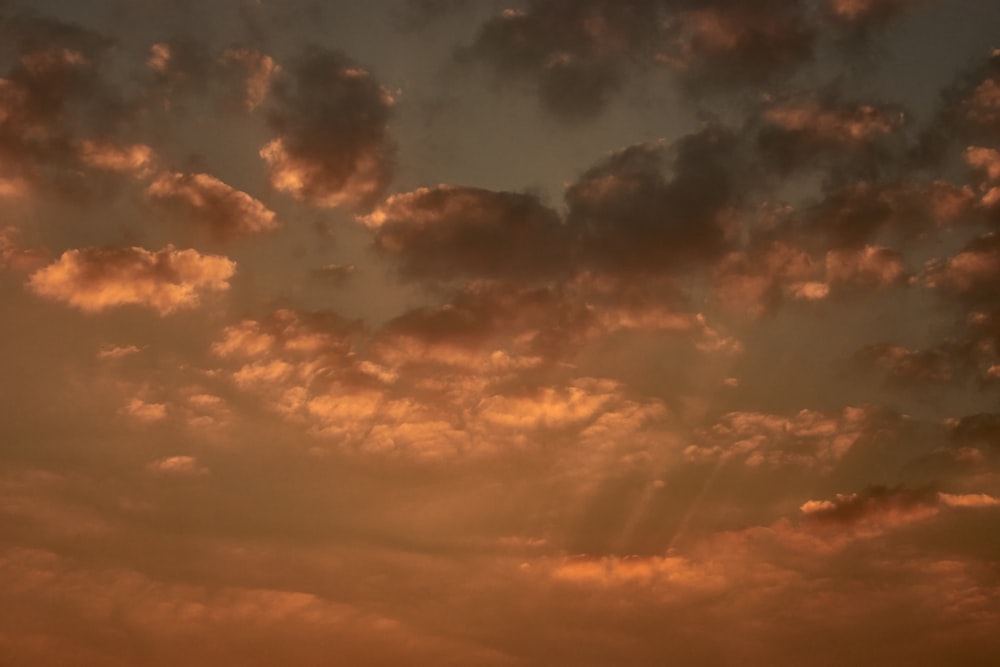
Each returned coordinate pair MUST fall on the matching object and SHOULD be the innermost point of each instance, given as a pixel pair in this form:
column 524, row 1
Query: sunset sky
column 495, row 333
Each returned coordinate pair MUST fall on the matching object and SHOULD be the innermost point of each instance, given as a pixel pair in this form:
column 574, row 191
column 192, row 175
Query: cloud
column 206, row 201
column 331, row 145
column 808, row 438
column 870, row 268
column 136, row 158
column 878, row 509
column 905, row 365
column 755, row 280
column 574, row 52
column 724, row 42
column 798, row 131
column 145, row 412
column 862, row 14
column 972, row 273
column 97, row 279
column 450, row 232
column 631, row 217
column 855, row 214
column 259, row 71
column 178, row 466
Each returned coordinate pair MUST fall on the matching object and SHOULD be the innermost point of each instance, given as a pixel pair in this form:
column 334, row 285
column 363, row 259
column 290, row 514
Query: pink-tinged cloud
column 728, row 42
column 136, row 158
column 754, row 281
column 834, row 125
column 808, row 438
column 167, row 280
column 205, row 201
column 869, row 268
column 973, row 272
column 259, row 70
column 331, row 146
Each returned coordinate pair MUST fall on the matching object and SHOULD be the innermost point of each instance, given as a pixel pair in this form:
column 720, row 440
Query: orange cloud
column 807, row 438
column 207, row 201
column 167, row 280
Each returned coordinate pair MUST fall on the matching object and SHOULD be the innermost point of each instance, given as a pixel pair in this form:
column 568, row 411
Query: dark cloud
column 855, row 214
column 331, row 145
column 969, row 112
column 646, row 209
column 450, row 232
column 649, row 210
column 727, row 42
column 574, row 52
column 54, row 95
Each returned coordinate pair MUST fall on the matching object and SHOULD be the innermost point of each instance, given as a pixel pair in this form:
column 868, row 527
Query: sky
column 496, row 333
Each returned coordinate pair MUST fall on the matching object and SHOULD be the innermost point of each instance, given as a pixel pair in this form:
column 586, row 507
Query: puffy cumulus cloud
column 972, row 273
column 136, row 158
column 986, row 162
column 574, row 52
column 808, row 438
column 728, row 42
column 463, row 380
column 142, row 411
column 331, row 146
column 258, row 69
column 449, row 232
column 905, row 365
column 206, row 201
column 494, row 328
column 167, row 280
column 647, row 209
column 795, row 131
column 287, row 331
column 631, row 217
